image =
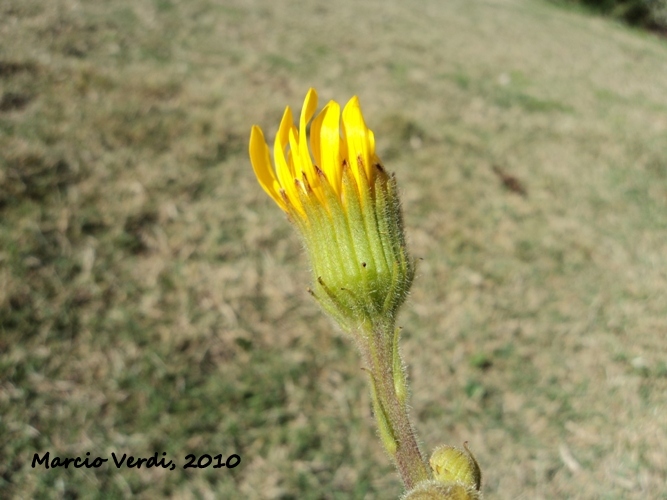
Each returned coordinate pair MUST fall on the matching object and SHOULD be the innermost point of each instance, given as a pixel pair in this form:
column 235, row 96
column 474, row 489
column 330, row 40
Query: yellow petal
column 356, row 137
column 325, row 132
column 284, row 166
column 296, row 157
column 261, row 164
column 281, row 141
column 371, row 144
column 315, row 128
column 307, row 112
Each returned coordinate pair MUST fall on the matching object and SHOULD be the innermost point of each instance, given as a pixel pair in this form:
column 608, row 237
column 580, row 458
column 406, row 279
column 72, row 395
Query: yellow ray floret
column 333, row 142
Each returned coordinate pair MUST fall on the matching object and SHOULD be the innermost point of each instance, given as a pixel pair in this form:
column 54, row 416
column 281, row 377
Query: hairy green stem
column 379, row 350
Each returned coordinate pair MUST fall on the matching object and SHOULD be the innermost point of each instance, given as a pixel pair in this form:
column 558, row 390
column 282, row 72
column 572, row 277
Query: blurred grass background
column 648, row 14
column 153, row 298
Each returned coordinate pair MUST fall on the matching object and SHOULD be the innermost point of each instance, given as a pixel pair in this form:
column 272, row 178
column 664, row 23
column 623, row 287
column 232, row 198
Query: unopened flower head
column 346, row 207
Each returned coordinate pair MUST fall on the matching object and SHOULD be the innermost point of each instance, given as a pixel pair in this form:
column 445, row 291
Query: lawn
column 154, row 299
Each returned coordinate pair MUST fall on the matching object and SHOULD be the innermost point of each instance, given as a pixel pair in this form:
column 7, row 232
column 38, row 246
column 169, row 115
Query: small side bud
column 435, row 490
column 451, row 464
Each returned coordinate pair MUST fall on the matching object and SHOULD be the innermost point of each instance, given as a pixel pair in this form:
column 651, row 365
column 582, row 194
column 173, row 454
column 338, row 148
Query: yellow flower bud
column 452, row 464
column 345, row 206
column 435, row 490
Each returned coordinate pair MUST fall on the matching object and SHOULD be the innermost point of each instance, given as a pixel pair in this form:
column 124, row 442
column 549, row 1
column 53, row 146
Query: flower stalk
column 379, row 350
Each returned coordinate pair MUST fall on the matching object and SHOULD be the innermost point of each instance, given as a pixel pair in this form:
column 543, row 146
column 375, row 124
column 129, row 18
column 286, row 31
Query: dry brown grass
column 152, row 298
